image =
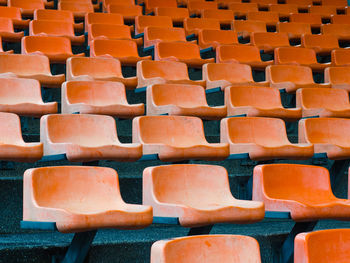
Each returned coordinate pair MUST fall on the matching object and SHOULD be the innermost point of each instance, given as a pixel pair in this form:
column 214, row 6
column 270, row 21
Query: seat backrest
column 10, row 128
column 80, row 7
column 340, row 3
column 249, row 26
column 169, row 70
column 55, row 15
column 218, row 14
column 300, row 2
column 324, row 41
column 337, row 75
column 172, row 12
column 125, row 10
column 263, row 16
column 52, row 28
column 200, row 5
column 232, row 72
column 285, row 55
column 340, row 57
column 306, row 18
column 27, row 5
column 265, row 2
column 335, row 29
column 289, row 73
column 294, row 28
column 10, row 12
column 165, row 34
column 110, row 31
column 118, row 2
column 283, row 9
column 103, row 18
column 241, row 53
column 6, row 24
column 323, row 10
column 152, row 21
column 151, row 4
column 243, row 7
column 115, row 48
column 269, row 38
column 219, row 36
column 340, row 19
column 181, row 50
column 20, row 91
column 201, row 23
column 45, row 44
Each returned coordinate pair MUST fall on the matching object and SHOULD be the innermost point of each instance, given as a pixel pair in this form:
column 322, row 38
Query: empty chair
column 161, row 72
column 224, row 4
column 241, row 9
column 302, row 190
column 14, row 13
column 213, row 38
column 150, row 5
column 197, row 195
column 338, row 77
column 79, row 198
column 340, row 19
column 268, row 41
column 325, row 11
column 243, row 54
column 228, row 74
column 57, row 15
column 79, row 9
column 194, row 25
column 340, row 57
column 302, row 4
column 185, row 52
column 128, row 12
column 323, row 102
column 57, row 49
column 31, row 67
column 7, row 32
column 322, row 44
column 284, row 11
column 299, row 56
column 85, row 138
column 315, row 20
column 341, row 31
column 106, row 3
column 220, row 248
column 182, row 100
column 27, row 7
column 195, row 7
column 224, row 16
column 253, row 101
column 262, row 138
column 176, row 138
column 294, row 29
column 176, row 14
column 154, row 35
column 270, row 18
column 313, row 247
column 12, row 146
column 264, row 3
column 291, row 78
column 98, row 97
column 124, row 50
column 151, row 21
column 245, row 28
column 103, row 18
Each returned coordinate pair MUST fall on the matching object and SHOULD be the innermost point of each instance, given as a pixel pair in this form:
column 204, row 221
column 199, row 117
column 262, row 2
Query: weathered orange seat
column 79, row 198
column 213, row 38
column 225, row 17
column 151, row 21
column 322, row 44
column 12, row 146
column 128, row 12
column 103, row 18
column 243, row 54
column 57, row 15
column 176, row 138
column 194, row 25
column 229, row 74
column 79, row 9
column 295, row 30
column 98, row 97
column 341, row 31
column 315, row 20
column 106, row 69
column 254, row 101
column 338, row 77
column 264, row 3
column 284, row 11
column 340, row 57
column 196, row 7
column 270, row 18
column 14, row 13
column 329, row 135
column 303, row 190
column 302, row 4
column 27, row 7
column 196, row 194
column 176, row 14
column 182, row 100
column 151, row 5
column 85, row 138
column 245, row 28
column 31, row 67
column 7, row 32
column 262, row 138
column 340, row 19
column 57, row 49
column 161, row 72
column 154, row 35
column 291, row 78
column 323, row 10
column 314, row 247
column 268, row 41
column 241, row 9
column 324, row 102
column 185, row 52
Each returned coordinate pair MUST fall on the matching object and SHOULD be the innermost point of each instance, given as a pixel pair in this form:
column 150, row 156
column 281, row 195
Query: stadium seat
column 254, row 101
column 151, row 21
column 106, row 3
column 295, row 30
column 161, row 72
column 303, row 190
column 12, row 147
column 185, row 52
column 340, row 19
column 103, row 18
column 270, row 18
column 284, row 11
column 241, row 9
column 31, row 67
column 302, row 4
column 229, row 74
column 7, row 32
column 262, row 138
column 195, row 7
column 299, row 56
column 85, row 138
column 338, row 77
column 341, row 31
column 23, row 97
column 194, row 25
column 338, row 3
column 176, row 138
column 219, row 248
column 213, row 38
column 57, row 49
column 340, row 57
column 196, row 194
column 315, row 20
column 243, row 54
column 224, row 4
column 55, row 29
column 325, row 11
column 105, row 69
column 313, row 247
column 245, row 28
column 57, row 15
column 225, row 17
column 268, row 41
column 181, row 100
column 15, row 14
column 151, row 5
column 98, row 97
column 323, row 102
column 123, row 50
column 128, row 12
column 79, row 199
column 322, row 44
column 291, row 78
column 27, row 7
column 177, row 15
column 264, row 4
column 79, row 9
column 154, row 35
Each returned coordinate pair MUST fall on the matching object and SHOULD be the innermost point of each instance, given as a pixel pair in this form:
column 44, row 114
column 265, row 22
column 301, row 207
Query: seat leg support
column 202, row 230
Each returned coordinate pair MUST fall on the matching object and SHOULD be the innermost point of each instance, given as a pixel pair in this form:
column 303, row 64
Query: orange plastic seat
column 7, row 32
column 264, row 3
column 340, row 57
column 27, row 7
column 340, row 19
column 225, row 17
column 322, row 44
column 124, row 50
column 57, row 49
column 181, row 100
column 106, row 3
column 161, row 72
column 196, row 7
column 176, row 138
column 270, row 18
column 291, row 78
column 176, row 14
column 243, row 54
column 79, row 198
column 154, row 35
column 98, row 97
column 295, row 30
column 103, row 18
column 338, row 77
column 85, row 138
column 79, row 9
column 224, row 4
column 338, row 3
column 151, row 5
column 185, row 52
column 302, row 4
column 284, row 11
column 128, row 12
column 196, row 194
column 228, row 74
column 245, row 28
column 325, row 11
column 12, row 147
column 194, row 25
column 341, row 31
column 151, row 21
column 268, row 41
column 14, row 13
column 57, row 15
column 262, row 138
column 315, row 20
column 313, row 247
column 31, row 67
column 213, row 38
column 254, row 101
column 324, row 102
column 99, row 68
column 241, row 9
column 56, row 29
